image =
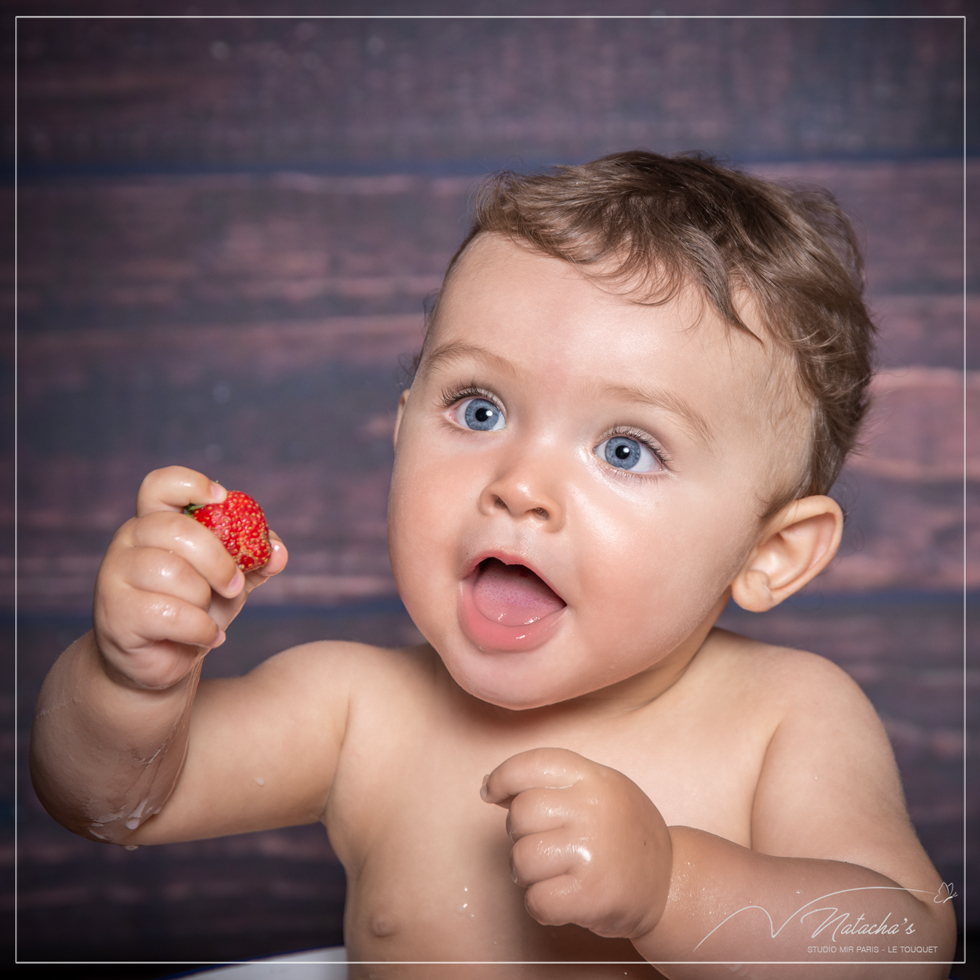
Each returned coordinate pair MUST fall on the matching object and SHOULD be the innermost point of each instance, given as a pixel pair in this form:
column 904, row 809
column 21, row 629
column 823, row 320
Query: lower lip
column 490, row 635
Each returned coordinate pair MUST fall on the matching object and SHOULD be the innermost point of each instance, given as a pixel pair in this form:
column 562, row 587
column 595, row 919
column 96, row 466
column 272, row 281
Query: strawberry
column 240, row 526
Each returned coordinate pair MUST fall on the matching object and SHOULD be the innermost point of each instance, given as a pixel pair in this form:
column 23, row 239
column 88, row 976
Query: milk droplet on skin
column 131, row 847
column 134, row 820
column 259, row 780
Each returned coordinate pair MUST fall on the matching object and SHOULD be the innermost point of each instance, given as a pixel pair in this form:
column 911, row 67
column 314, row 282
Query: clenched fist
column 589, row 845
column 167, row 588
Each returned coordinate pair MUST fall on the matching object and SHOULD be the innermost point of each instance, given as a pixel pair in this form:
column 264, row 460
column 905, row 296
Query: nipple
column 382, row 925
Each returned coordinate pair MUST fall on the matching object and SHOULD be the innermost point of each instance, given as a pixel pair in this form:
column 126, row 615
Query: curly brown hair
column 662, row 222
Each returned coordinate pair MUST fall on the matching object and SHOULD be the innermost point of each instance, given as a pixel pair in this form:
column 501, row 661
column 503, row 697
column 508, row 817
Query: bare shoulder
column 786, row 667
column 816, row 711
column 320, row 677
column 778, row 682
column 341, row 664
column 775, row 677
column 319, row 691
column 829, row 786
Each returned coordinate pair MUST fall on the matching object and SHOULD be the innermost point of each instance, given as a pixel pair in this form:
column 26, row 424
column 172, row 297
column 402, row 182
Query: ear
column 795, row 547
column 401, row 411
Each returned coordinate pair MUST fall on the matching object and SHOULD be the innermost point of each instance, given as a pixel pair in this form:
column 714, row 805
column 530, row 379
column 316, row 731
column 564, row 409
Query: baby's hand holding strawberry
column 167, row 588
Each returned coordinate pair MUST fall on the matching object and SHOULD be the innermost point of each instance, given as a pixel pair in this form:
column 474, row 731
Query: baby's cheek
column 655, row 590
column 422, row 553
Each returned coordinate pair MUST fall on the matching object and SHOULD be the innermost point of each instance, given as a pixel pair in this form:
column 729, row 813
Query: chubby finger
column 545, row 768
column 223, row 611
column 172, row 488
column 169, row 618
column 140, row 619
column 156, row 666
column 556, row 901
column 535, row 811
column 273, row 566
column 161, row 571
column 538, row 857
column 176, row 532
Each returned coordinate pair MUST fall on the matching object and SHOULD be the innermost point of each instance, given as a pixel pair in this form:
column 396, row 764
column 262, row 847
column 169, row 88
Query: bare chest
column 437, row 887
column 428, row 861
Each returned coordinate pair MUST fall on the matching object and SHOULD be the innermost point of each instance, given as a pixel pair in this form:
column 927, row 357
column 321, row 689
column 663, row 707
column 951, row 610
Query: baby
column 639, row 381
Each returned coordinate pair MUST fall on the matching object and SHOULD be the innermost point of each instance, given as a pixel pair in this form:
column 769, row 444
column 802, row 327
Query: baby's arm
column 117, row 717
column 832, row 851
column 834, row 858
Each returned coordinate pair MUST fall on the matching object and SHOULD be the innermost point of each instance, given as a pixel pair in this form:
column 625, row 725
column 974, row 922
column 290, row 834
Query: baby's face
column 577, row 480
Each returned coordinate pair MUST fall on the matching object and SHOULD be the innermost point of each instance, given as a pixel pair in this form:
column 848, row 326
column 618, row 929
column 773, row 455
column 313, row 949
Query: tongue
column 512, row 594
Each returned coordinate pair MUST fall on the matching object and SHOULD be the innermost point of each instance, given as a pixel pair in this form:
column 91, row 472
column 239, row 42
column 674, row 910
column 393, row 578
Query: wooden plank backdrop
column 226, row 232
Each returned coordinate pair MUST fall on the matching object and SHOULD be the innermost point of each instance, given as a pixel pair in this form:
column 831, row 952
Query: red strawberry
column 241, row 527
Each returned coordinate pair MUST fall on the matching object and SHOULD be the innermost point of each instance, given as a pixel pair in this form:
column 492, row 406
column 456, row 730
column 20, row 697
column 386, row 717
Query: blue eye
column 480, row 414
column 627, row 454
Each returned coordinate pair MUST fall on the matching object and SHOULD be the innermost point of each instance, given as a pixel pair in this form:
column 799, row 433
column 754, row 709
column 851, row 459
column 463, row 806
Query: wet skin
column 618, row 741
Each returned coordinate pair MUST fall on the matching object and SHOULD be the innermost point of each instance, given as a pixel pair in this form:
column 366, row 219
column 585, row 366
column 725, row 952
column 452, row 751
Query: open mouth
column 512, row 594
column 508, row 607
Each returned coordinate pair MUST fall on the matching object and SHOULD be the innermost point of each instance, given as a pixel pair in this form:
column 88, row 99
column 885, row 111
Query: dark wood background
column 226, row 231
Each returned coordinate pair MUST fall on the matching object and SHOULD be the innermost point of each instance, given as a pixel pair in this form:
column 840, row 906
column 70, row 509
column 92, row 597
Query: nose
column 526, row 489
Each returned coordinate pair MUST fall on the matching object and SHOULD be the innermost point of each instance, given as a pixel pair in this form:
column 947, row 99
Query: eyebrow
column 688, row 416
column 457, row 350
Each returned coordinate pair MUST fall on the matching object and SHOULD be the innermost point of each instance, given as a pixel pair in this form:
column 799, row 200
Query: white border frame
column 386, row 17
